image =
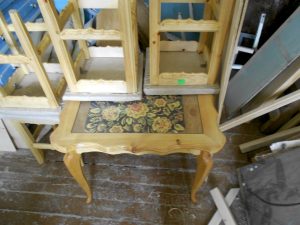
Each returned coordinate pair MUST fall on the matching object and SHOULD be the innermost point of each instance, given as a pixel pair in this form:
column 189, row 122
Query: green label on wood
column 181, row 82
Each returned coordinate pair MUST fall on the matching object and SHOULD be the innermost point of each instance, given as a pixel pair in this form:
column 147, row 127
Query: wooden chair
column 34, row 84
column 108, row 70
column 33, row 92
column 187, row 67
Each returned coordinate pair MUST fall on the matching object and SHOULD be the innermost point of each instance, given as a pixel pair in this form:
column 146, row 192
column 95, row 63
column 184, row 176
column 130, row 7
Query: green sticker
column 181, row 82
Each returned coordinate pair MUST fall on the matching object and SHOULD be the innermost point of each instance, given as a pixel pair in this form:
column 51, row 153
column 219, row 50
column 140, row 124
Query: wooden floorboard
column 126, row 189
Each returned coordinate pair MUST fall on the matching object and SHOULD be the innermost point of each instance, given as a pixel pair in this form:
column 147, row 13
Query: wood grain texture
column 127, row 189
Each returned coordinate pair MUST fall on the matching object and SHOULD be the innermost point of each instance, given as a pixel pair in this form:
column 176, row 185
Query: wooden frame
column 31, row 67
column 190, row 62
column 203, row 144
column 127, row 35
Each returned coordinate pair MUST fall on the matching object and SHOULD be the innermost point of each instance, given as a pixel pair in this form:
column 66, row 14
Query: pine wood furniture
column 112, row 70
column 200, row 137
column 34, row 84
column 33, row 93
column 181, row 64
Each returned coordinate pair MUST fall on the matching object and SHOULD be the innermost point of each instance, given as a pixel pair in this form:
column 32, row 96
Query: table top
column 156, row 124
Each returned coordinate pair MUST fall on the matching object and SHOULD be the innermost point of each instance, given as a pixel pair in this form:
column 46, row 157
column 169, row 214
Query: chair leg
column 72, row 161
column 204, row 166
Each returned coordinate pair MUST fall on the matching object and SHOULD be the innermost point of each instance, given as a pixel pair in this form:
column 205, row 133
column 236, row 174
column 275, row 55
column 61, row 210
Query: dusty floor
column 127, row 189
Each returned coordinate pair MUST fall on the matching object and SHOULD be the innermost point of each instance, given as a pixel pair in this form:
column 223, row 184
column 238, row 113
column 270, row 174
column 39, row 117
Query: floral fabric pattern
column 153, row 114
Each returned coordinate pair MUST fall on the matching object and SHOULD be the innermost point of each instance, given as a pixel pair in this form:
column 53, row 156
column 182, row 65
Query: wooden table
column 194, row 131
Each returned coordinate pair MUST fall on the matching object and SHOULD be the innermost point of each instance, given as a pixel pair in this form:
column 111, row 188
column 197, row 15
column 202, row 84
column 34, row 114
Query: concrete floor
column 126, row 189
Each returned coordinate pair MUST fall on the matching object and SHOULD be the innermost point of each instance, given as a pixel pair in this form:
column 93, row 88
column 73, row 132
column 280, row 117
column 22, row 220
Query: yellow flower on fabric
column 161, row 125
column 137, row 110
column 111, row 113
column 137, row 128
column 116, row 129
column 160, row 102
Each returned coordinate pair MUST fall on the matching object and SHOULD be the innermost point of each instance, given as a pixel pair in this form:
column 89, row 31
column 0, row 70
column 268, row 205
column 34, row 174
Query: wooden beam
column 44, row 146
column 222, row 206
column 10, row 41
column 177, row 46
column 291, row 123
column 44, row 44
column 31, row 52
column 51, row 19
column 103, row 4
column 90, row 34
column 155, row 17
column 31, row 27
column 78, row 24
column 265, row 108
column 231, row 195
column 189, row 78
column 204, row 36
column 128, row 22
column 14, row 59
column 229, row 57
column 265, row 141
column 65, row 15
column 219, row 39
column 188, row 25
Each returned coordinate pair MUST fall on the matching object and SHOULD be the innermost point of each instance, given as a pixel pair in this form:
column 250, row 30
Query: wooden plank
column 265, row 141
column 234, row 33
column 31, row 27
column 265, row 108
column 90, row 34
column 6, row 143
column 103, row 4
column 51, row 19
column 155, row 17
column 31, row 52
column 293, row 122
column 280, row 84
column 44, row 146
column 129, row 43
column 14, row 59
column 188, row 25
column 268, row 62
column 177, row 46
column 188, row 78
column 222, row 206
column 33, row 116
column 10, row 41
column 219, row 39
column 66, row 13
column 231, row 195
column 44, row 44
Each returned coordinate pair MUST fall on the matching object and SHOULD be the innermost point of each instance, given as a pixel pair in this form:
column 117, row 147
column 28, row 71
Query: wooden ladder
column 188, row 63
column 127, row 35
